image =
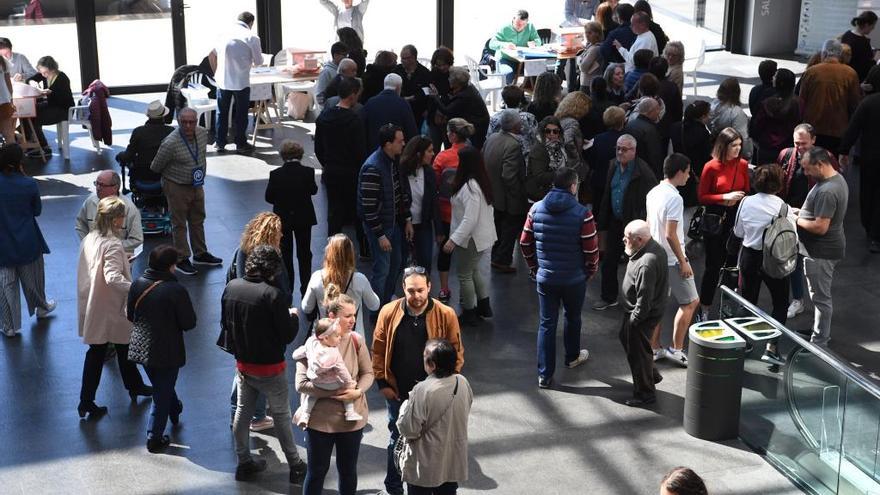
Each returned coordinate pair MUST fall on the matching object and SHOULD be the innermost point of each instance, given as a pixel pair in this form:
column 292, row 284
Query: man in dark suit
column 388, row 107
column 644, row 129
column 505, row 164
column 289, row 191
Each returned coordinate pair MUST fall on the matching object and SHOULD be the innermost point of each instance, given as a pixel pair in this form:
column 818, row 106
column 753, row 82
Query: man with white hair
column 107, row 184
column 644, row 128
column 640, row 24
column 347, row 68
column 644, row 299
column 388, row 107
column 627, row 184
column 829, row 95
column 506, row 166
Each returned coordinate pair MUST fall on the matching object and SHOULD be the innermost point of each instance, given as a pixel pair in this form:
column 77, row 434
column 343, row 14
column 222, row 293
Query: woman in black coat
column 465, row 102
column 696, row 144
column 161, row 310
column 418, row 179
column 289, row 191
column 57, row 99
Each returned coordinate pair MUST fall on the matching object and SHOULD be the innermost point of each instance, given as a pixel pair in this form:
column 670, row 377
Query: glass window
column 473, row 27
column 35, row 32
column 207, row 20
column 310, row 25
column 124, row 58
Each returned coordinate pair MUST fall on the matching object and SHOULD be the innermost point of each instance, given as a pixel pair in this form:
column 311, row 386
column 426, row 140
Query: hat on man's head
column 156, row 110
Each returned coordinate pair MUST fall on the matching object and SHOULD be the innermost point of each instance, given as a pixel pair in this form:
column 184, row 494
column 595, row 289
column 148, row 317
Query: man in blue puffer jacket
column 560, row 246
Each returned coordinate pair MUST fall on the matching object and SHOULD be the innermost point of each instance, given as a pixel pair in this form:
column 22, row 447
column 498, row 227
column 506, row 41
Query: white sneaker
column 44, row 312
column 581, row 359
column 795, row 308
column 11, row 332
column 678, row 356
column 353, row 416
column 659, row 354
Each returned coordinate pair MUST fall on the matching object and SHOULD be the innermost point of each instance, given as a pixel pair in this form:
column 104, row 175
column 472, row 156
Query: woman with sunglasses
column 472, row 232
column 547, row 156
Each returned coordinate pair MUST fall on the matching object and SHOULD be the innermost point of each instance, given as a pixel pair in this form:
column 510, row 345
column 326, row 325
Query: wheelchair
column 146, row 194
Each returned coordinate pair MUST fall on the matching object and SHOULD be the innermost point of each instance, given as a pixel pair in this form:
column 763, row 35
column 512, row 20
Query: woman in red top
column 723, row 183
column 445, row 165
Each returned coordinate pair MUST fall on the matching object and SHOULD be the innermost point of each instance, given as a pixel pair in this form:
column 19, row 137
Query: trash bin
column 756, row 331
column 714, row 381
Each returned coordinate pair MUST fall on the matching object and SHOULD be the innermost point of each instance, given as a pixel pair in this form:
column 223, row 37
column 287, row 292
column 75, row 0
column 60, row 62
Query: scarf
column 556, row 154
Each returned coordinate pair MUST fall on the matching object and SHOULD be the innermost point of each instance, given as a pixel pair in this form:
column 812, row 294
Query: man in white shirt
column 236, row 54
column 665, row 208
column 107, row 184
column 645, row 40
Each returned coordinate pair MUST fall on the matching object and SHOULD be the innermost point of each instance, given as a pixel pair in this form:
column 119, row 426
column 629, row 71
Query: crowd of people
column 415, row 167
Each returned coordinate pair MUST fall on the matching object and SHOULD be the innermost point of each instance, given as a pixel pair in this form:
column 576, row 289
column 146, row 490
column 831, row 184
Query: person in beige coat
column 434, row 420
column 103, row 280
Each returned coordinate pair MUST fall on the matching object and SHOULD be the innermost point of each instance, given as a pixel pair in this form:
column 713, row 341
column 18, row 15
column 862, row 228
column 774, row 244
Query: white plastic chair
column 77, row 115
column 692, row 65
column 491, row 86
column 267, row 60
column 196, row 97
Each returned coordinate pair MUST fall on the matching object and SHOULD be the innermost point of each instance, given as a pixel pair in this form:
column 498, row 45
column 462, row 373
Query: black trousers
column 342, row 208
column 46, row 115
column 508, row 227
column 611, row 259
column 716, row 258
column 94, row 364
column 444, row 260
column 303, row 236
column 448, row 488
column 869, row 197
column 750, row 278
column 636, row 340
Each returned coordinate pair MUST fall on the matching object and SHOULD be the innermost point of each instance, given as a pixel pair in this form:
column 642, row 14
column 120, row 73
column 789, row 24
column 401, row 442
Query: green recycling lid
column 753, row 328
column 715, row 334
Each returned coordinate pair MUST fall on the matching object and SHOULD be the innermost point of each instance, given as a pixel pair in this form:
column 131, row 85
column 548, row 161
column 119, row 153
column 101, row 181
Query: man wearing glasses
column 403, row 328
column 107, row 184
column 627, row 185
column 181, row 161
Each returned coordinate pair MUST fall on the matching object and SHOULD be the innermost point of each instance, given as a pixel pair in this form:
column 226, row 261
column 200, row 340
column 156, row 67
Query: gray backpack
column 780, row 246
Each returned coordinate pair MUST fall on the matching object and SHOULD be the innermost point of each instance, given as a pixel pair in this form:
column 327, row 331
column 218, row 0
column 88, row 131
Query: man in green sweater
column 519, row 33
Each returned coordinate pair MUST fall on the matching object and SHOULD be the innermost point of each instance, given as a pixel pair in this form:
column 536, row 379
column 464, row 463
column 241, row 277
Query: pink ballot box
column 304, row 60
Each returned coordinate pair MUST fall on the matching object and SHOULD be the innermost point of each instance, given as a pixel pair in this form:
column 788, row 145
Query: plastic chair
column 491, row 86
column 77, row 115
column 545, row 34
column 282, row 90
column 267, row 60
column 693, row 64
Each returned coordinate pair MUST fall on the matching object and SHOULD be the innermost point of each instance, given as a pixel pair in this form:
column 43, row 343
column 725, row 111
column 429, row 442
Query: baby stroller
column 146, row 194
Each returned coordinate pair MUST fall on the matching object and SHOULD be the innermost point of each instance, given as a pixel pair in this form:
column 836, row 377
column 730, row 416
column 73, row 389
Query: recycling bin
column 716, row 354
column 755, row 331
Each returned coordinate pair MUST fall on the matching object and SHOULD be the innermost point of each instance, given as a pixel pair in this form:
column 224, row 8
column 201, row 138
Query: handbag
column 712, row 222
column 694, row 232
column 141, row 332
column 404, row 455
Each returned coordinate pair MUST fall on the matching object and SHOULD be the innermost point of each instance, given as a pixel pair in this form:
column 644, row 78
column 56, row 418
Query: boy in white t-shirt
column 666, row 218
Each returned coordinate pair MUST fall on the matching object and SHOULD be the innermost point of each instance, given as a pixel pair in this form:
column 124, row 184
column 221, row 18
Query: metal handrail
column 841, row 367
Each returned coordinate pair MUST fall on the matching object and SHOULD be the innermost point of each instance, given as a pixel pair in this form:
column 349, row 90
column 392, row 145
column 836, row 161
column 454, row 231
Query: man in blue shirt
column 622, row 34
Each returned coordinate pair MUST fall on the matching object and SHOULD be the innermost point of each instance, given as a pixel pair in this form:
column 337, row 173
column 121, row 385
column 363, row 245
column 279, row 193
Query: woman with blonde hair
column 103, row 280
column 339, row 276
column 264, row 228
column 574, row 107
column 674, row 55
column 590, row 60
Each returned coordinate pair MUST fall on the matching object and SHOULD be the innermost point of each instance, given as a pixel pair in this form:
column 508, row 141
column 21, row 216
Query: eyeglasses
column 550, row 130
column 414, row 269
column 101, row 184
column 624, row 148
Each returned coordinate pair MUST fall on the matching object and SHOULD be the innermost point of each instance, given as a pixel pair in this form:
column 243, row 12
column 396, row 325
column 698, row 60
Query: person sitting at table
column 519, row 33
column 21, row 67
column 338, row 51
column 52, row 107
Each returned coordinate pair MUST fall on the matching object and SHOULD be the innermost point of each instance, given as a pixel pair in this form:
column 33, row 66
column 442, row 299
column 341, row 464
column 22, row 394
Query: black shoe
column 657, row 377
column 641, row 401
column 144, row 391
column 298, row 472
column 469, row 318
column 602, row 305
column 207, row 259
column 158, row 444
column 186, row 267
column 244, row 148
column 544, row 382
column 501, row 268
column 175, row 417
column 248, row 470
column 93, row 410
column 483, row 308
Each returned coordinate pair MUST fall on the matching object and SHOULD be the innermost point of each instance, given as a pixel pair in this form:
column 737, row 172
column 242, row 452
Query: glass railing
column 814, row 417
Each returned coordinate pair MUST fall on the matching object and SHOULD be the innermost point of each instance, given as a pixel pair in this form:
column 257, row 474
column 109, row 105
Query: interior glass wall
column 135, row 42
column 207, row 21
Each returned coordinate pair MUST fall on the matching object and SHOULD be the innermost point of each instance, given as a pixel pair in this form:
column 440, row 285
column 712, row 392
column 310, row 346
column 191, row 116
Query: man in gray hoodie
column 643, row 297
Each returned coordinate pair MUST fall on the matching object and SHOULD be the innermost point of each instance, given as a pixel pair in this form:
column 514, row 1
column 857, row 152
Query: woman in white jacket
column 472, row 231
column 434, row 421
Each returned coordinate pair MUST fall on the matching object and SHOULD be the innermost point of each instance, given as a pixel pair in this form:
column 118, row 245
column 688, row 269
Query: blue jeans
column 259, row 407
column 423, row 244
column 509, row 68
column 572, row 299
column 319, row 447
column 386, row 264
column 164, row 399
column 393, row 483
column 242, row 99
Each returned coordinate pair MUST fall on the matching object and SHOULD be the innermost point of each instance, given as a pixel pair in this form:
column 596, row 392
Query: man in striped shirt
column 383, row 205
column 560, row 246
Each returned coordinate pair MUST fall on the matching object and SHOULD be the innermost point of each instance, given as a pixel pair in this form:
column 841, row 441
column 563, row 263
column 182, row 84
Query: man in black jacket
column 257, row 321
column 644, row 129
column 340, row 146
column 416, row 77
column 627, row 185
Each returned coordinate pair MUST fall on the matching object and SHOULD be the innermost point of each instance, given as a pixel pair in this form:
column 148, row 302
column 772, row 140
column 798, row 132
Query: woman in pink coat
column 103, row 280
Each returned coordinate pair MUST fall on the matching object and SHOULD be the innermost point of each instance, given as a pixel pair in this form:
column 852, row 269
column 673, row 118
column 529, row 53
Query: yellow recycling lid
column 753, row 328
column 715, row 334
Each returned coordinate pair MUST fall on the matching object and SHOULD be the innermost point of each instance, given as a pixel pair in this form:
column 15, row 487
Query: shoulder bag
column 404, row 455
column 142, row 336
column 712, row 222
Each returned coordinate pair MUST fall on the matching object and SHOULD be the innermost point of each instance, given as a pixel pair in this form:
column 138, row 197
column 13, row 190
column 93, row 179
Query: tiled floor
column 576, row 438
